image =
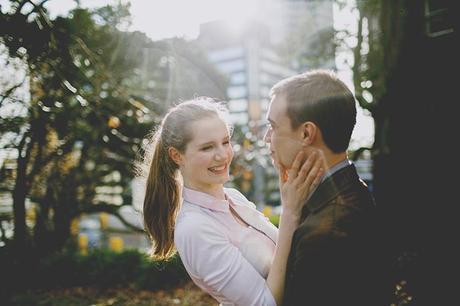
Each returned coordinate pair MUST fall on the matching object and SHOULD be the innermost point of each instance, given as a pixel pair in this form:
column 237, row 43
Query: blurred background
column 83, row 83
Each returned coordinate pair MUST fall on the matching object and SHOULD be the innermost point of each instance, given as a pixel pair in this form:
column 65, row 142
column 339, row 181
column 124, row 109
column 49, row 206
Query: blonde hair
column 161, row 173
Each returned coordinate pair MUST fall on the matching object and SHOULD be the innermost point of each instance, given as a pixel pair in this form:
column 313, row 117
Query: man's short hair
column 321, row 97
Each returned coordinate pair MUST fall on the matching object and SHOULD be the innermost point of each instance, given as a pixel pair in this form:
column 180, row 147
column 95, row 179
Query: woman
column 228, row 248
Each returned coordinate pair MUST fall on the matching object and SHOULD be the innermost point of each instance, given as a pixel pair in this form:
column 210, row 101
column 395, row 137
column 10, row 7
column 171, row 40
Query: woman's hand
column 297, row 183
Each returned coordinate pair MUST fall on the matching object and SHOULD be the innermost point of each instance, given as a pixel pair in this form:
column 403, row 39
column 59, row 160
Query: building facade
column 274, row 45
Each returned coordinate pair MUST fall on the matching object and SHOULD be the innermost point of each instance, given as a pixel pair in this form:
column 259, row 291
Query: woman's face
column 206, row 161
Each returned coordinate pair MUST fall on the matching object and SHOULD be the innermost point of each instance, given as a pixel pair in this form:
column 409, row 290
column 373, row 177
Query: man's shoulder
column 343, row 217
column 353, row 198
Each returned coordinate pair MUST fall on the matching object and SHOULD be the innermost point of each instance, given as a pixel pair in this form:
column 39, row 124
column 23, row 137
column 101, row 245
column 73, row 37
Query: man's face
column 283, row 141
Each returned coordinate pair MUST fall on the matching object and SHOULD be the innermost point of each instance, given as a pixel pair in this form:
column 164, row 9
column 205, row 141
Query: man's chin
column 276, row 163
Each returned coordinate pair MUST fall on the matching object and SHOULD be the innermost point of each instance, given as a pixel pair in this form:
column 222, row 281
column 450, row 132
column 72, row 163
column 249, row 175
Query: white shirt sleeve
column 219, row 266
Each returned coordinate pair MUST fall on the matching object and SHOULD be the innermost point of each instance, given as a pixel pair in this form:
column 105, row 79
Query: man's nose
column 267, row 136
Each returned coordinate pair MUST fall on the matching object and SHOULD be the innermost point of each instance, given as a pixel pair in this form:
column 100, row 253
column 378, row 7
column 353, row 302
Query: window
column 239, row 118
column 236, row 92
column 240, row 105
column 226, row 54
column 232, row 66
column 238, row 78
column 438, row 19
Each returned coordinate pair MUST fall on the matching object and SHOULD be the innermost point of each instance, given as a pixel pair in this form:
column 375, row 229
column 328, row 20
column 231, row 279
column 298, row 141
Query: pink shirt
column 228, row 260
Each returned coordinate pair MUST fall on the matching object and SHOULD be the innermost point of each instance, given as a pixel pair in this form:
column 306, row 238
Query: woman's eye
column 226, row 142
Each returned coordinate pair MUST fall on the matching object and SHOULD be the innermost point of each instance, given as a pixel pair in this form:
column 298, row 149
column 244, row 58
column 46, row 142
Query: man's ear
column 309, row 132
column 175, row 155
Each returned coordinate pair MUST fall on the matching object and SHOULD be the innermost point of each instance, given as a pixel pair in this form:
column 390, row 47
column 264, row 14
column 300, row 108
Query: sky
column 168, row 18
column 160, row 19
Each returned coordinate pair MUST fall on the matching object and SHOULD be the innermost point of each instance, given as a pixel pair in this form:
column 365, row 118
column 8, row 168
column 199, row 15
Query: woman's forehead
column 209, row 129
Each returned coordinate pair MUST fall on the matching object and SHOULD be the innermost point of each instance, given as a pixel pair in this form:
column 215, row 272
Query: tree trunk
column 20, row 192
column 414, row 136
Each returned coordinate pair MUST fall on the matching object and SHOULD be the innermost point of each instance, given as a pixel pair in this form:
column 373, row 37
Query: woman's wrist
column 290, row 216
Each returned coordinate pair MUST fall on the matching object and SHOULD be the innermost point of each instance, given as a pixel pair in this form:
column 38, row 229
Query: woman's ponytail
column 162, row 199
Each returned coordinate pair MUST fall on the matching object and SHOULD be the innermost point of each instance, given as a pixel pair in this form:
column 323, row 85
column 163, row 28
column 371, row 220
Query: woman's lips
column 218, row 169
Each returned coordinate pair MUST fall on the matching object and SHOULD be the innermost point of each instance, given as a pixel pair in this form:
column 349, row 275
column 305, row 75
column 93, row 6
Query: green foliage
column 106, row 269
column 95, row 92
column 99, row 269
column 161, row 274
column 275, row 219
column 252, row 159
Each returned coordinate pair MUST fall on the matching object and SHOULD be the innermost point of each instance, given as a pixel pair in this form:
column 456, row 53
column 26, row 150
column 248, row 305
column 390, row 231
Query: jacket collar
column 330, row 188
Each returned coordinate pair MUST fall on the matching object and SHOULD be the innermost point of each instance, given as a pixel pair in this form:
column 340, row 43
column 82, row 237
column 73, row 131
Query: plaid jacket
column 335, row 258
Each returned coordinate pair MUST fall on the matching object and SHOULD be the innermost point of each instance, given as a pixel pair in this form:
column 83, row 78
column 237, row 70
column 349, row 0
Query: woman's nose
column 221, row 153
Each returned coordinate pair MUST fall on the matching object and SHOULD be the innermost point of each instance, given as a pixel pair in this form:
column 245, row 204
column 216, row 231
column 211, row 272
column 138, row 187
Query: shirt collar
column 335, row 168
column 330, row 172
column 205, row 200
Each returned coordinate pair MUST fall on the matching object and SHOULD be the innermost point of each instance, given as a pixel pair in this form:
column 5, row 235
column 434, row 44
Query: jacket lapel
column 329, row 189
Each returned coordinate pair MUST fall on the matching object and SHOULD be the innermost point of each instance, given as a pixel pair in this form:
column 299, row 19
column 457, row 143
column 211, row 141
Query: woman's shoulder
column 191, row 216
column 238, row 196
column 193, row 219
column 195, row 227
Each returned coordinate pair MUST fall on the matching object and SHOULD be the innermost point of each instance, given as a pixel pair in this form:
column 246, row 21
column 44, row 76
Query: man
column 335, row 257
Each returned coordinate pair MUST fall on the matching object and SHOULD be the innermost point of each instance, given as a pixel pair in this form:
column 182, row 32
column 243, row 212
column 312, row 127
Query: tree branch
column 37, row 8
column 363, row 103
column 65, row 148
column 20, row 6
column 113, row 210
column 10, row 91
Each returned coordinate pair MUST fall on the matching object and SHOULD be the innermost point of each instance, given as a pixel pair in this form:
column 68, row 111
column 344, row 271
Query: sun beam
column 168, row 18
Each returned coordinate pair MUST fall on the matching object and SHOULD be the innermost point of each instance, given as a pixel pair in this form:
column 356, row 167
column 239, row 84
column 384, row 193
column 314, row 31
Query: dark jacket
column 336, row 258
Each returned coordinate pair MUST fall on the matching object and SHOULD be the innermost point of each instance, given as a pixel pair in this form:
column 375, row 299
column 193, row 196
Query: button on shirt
column 228, row 260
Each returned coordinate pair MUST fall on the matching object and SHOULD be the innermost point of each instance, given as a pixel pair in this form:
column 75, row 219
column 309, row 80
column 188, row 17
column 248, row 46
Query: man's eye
column 226, row 142
column 207, row 148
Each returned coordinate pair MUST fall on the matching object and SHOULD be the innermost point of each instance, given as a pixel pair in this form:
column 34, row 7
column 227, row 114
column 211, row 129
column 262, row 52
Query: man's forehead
column 277, row 106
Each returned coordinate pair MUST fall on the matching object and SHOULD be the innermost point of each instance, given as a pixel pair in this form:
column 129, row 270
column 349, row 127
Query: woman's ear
column 175, row 155
column 309, row 131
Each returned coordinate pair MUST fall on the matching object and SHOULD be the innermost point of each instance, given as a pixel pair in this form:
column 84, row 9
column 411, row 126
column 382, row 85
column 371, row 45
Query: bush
column 17, row 271
column 99, row 269
column 105, row 268
column 161, row 275
column 275, row 219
